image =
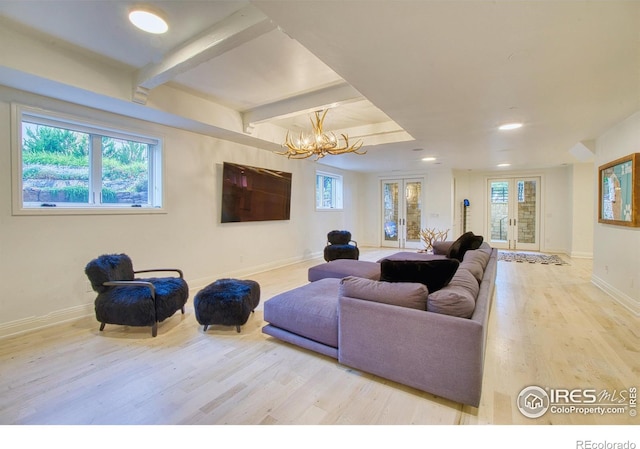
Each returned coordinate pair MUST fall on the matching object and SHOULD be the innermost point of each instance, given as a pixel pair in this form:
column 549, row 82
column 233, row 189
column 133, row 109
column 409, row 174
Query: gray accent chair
column 126, row 300
column 340, row 246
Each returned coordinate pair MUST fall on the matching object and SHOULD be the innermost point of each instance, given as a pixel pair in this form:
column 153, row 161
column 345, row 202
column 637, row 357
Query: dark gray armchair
column 340, row 246
column 126, row 300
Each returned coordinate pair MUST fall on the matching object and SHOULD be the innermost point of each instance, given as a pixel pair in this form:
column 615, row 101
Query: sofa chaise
column 433, row 341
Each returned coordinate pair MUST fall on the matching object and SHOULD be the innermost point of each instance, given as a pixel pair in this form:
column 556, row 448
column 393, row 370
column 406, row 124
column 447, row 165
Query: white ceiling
column 447, row 72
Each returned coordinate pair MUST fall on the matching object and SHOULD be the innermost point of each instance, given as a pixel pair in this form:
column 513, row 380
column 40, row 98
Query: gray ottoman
column 228, row 302
column 341, row 268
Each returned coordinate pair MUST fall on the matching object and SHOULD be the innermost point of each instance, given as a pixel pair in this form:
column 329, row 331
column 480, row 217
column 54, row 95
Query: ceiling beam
column 240, row 27
column 46, row 88
column 332, row 96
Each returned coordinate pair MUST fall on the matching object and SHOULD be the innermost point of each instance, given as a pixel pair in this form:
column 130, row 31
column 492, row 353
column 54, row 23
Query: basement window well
column 328, row 191
column 64, row 164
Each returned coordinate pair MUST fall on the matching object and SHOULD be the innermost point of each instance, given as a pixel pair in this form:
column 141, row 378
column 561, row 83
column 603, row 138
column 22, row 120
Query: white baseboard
column 197, row 284
column 626, row 301
column 554, row 251
column 39, row 322
column 581, row 255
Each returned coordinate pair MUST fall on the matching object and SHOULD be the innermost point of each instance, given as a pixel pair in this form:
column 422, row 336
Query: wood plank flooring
column 549, row 326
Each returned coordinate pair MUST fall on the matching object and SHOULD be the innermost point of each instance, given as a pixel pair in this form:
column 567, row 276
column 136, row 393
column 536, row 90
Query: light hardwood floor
column 549, row 326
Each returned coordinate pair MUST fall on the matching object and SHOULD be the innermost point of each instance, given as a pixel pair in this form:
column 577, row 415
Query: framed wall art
column 619, row 192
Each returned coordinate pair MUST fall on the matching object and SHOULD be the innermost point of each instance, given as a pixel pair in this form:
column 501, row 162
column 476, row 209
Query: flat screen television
column 254, row 194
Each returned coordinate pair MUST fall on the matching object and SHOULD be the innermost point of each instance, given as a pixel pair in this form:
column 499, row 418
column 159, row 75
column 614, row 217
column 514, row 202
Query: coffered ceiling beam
column 241, row 27
column 332, row 96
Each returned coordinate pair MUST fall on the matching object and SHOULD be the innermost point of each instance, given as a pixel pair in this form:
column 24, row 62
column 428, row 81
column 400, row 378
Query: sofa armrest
column 436, row 353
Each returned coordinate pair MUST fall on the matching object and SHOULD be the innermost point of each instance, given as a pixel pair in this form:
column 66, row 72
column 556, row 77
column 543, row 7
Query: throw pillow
column 442, row 247
column 435, row 274
column 465, row 242
column 456, row 299
column 411, row 295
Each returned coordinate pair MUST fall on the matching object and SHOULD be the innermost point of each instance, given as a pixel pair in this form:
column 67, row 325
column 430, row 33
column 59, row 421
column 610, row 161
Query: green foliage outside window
column 56, row 166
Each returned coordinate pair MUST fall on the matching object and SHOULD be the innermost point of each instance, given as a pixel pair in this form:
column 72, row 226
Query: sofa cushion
column 475, row 260
column 442, row 247
column 406, row 294
column 458, row 298
column 474, row 268
column 485, row 248
column 340, row 268
column 435, row 274
column 465, row 242
column 310, row 311
column 477, row 255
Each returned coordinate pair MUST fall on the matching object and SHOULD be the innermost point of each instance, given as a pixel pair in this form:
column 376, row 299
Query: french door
column 402, row 213
column 514, row 213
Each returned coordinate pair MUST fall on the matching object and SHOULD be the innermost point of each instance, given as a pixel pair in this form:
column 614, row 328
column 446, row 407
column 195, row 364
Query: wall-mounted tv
column 254, row 194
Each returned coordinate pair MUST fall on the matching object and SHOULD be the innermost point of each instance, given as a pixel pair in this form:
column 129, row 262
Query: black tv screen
column 254, row 194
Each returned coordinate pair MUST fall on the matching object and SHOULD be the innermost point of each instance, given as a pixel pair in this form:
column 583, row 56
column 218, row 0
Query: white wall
column 555, row 204
column 616, row 261
column 436, row 202
column 42, row 258
column 583, row 215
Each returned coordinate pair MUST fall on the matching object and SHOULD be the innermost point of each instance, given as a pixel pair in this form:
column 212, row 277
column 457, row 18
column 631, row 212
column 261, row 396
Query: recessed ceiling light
column 428, row 159
column 509, row 126
column 504, row 165
column 148, row 19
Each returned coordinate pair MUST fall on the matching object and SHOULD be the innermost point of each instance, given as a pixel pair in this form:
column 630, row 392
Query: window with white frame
column 328, row 191
column 67, row 163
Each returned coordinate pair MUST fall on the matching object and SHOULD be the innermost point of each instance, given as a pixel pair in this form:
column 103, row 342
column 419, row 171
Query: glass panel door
column 527, row 213
column 413, row 213
column 402, row 213
column 499, row 213
column 514, row 213
column 390, row 213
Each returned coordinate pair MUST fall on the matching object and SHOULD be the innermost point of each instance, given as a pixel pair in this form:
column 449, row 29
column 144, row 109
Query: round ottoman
column 228, row 302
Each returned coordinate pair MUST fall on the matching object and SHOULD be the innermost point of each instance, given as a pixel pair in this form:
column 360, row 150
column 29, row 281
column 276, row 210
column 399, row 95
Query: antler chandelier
column 318, row 144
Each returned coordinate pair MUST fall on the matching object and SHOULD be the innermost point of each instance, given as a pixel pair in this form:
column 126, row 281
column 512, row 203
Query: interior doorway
column 514, row 213
column 402, row 213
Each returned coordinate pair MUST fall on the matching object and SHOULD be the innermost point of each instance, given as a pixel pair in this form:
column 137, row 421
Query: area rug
column 544, row 259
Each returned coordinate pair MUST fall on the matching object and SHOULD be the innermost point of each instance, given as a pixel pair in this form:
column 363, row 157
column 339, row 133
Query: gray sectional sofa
column 431, row 341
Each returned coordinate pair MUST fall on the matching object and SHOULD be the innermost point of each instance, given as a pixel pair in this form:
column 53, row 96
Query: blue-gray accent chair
column 126, row 300
column 340, row 246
